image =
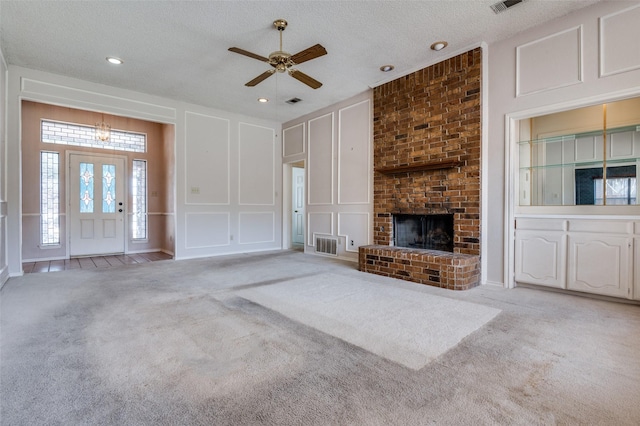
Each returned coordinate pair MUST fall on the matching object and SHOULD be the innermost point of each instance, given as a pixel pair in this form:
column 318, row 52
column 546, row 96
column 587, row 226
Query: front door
column 96, row 204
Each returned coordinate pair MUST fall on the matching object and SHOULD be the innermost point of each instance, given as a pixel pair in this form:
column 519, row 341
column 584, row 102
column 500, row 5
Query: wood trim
column 420, row 167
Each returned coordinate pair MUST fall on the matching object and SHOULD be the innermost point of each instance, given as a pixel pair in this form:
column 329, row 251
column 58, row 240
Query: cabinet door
column 540, row 258
column 599, row 264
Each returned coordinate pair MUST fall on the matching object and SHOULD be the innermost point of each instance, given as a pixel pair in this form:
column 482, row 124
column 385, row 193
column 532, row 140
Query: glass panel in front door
column 86, row 187
column 108, row 188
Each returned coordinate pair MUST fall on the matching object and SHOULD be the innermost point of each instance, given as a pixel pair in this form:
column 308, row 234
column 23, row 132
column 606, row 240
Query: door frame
column 287, row 200
column 67, row 197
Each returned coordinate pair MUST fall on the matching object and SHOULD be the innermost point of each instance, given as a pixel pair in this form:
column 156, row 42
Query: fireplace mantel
column 420, row 167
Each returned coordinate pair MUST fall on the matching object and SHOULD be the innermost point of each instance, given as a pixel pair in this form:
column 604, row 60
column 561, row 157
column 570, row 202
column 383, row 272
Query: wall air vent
column 293, row 101
column 327, row 246
column 504, row 5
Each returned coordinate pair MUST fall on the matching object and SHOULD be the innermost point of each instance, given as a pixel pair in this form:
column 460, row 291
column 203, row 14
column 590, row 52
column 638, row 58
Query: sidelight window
column 49, row 198
column 139, row 198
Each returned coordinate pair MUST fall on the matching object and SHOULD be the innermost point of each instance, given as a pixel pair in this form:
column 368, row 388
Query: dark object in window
column 585, row 189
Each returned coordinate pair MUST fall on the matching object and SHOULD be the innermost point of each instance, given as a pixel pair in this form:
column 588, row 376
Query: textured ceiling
column 178, row 49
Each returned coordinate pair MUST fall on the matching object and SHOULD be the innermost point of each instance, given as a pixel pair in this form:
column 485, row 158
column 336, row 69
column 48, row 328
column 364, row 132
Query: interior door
column 96, row 204
column 297, row 228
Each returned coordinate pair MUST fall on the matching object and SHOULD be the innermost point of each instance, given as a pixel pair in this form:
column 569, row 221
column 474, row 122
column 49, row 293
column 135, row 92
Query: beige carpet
column 399, row 324
column 283, row 338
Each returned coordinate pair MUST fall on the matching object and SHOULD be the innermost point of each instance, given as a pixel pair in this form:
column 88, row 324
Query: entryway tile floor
column 93, row 262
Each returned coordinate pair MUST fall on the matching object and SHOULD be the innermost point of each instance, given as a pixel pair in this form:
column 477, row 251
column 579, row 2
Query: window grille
column 49, row 198
column 139, row 197
column 78, row 135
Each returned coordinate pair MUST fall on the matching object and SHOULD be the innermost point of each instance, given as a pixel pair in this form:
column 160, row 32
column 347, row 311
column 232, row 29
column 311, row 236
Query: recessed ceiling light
column 114, row 60
column 263, row 100
column 439, row 45
column 387, row 68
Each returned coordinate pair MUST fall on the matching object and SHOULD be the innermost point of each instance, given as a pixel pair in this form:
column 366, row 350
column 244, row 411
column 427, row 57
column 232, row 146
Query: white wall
column 4, row 269
column 220, row 207
column 584, row 58
column 336, row 144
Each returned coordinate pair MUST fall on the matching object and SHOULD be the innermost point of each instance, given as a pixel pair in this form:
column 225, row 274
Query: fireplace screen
column 431, row 232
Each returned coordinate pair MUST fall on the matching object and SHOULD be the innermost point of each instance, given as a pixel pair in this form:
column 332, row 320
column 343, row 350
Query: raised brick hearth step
column 453, row 271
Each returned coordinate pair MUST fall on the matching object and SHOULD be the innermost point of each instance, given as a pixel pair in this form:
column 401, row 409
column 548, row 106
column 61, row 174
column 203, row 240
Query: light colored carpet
column 194, row 343
column 399, row 324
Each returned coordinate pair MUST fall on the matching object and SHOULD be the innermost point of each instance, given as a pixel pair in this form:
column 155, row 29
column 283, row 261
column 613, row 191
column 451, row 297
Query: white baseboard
column 493, row 283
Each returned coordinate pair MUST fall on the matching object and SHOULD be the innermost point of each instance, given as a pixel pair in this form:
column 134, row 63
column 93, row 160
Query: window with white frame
column 49, row 198
column 61, row 133
column 620, row 191
column 139, row 199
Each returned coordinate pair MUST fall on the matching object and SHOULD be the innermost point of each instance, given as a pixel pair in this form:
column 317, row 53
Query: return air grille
column 504, row 5
column 327, row 246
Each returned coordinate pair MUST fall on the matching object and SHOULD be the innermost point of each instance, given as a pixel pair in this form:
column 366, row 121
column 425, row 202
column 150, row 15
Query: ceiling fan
column 282, row 61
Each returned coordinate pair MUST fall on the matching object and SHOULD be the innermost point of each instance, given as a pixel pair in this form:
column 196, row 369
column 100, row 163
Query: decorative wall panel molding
column 207, row 165
column 354, row 156
column 320, row 174
column 587, row 148
column 619, row 35
column 549, row 63
column 293, row 141
column 204, row 230
column 256, row 227
column 318, row 223
column 624, row 145
column 355, row 228
column 256, row 147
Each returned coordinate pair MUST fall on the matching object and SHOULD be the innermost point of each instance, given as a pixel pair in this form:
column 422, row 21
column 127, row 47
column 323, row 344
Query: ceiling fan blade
column 302, row 77
column 260, row 78
column 309, row 54
column 249, row 54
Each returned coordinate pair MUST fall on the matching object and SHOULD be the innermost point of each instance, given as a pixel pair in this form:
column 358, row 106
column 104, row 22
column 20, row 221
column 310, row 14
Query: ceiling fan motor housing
column 280, row 60
column 280, row 24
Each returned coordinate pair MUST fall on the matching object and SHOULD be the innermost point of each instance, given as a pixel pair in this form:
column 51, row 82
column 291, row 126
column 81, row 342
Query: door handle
column 295, row 211
column 120, row 210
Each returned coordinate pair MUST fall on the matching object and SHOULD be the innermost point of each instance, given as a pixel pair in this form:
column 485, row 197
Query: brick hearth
column 453, row 271
column 427, row 133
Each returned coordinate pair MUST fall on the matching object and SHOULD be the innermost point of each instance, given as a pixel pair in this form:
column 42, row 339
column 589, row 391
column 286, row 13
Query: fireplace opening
column 430, row 232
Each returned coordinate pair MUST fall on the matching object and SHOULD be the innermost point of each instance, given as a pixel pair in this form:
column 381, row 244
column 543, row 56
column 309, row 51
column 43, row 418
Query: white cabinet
column 540, row 258
column 587, row 255
column 599, row 264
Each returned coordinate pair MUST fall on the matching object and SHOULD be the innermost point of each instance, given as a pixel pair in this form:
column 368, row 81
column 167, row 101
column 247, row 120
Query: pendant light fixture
column 103, row 131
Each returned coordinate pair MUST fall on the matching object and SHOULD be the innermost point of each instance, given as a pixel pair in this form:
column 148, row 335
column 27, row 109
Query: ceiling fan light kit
column 282, row 61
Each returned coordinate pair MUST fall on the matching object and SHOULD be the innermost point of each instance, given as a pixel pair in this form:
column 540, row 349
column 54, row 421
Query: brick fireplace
column 427, row 136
